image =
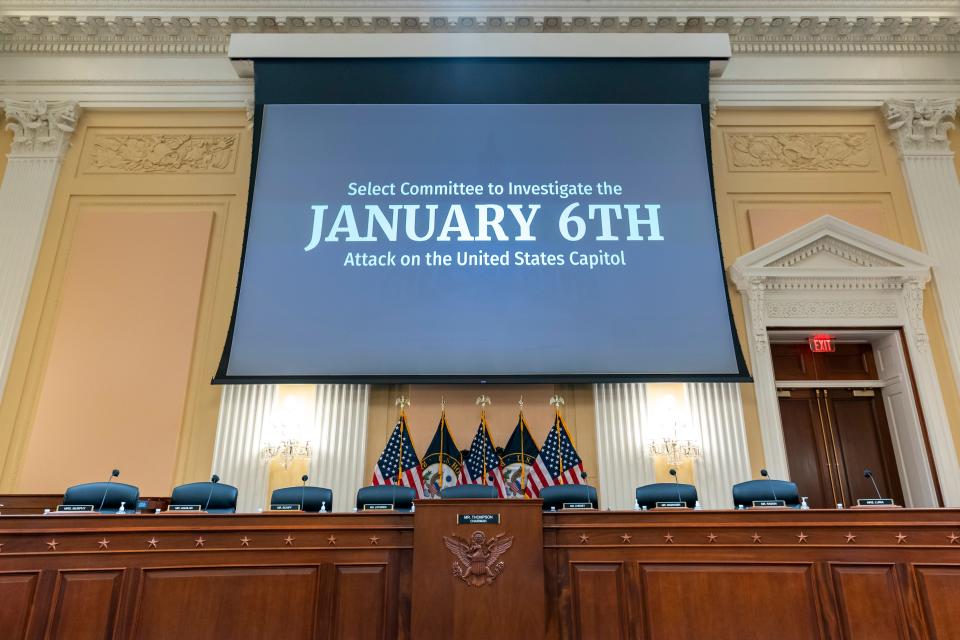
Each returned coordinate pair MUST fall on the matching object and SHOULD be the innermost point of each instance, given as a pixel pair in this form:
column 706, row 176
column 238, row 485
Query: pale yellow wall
column 6, row 139
column 130, row 304
column 777, row 169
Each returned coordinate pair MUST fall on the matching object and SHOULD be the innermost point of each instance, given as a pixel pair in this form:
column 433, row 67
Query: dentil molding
column 192, row 34
column 40, row 128
column 920, row 125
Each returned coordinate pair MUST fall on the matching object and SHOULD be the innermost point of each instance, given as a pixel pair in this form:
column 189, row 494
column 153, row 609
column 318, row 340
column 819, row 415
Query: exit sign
column 821, row 343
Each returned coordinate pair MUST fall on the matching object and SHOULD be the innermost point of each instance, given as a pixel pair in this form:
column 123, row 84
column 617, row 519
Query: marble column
column 621, row 412
column 339, row 438
column 919, row 127
column 717, row 414
column 41, row 136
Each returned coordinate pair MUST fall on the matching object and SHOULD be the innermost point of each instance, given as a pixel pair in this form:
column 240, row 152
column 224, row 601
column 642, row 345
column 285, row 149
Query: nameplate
column 285, row 507
column 478, row 518
column 875, row 502
column 184, row 507
column 378, row 507
column 71, row 508
column 672, row 505
column 769, row 503
column 578, row 505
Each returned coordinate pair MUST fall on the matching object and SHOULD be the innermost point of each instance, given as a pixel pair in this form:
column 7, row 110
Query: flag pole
column 557, row 401
column 523, row 458
column 401, row 402
column 443, row 423
column 483, row 400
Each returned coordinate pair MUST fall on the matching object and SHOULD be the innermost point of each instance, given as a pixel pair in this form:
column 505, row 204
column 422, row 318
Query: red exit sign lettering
column 821, row 343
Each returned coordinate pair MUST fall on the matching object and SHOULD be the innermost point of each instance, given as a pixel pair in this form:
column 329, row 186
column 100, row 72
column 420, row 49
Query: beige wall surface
column 129, row 304
column 778, row 169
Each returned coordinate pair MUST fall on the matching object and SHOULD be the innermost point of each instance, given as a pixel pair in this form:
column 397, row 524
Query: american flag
column 399, row 458
column 557, row 463
column 483, row 462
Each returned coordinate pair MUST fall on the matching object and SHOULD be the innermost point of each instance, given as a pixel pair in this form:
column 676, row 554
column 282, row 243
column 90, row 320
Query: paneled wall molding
column 830, row 289
column 337, row 433
column 41, row 135
column 920, row 128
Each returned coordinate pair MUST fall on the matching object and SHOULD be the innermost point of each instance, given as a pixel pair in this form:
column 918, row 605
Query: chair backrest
column 560, row 494
column 746, row 492
column 222, row 497
column 400, row 497
column 470, row 491
column 93, row 493
column 650, row 494
column 310, row 498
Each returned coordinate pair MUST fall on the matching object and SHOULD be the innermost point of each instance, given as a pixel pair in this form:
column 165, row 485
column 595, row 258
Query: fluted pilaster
column 244, row 411
column 41, row 134
column 717, row 413
column 339, row 432
column 621, row 412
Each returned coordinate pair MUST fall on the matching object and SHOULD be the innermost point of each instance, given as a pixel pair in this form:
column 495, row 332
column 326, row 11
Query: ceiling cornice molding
column 192, row 34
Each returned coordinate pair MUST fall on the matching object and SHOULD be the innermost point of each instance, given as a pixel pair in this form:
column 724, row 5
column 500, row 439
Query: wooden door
column 831, row 436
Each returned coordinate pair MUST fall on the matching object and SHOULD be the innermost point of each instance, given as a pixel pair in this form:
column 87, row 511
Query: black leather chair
column 746, row 492
column 557, row 495
column 650, row 494
column 309, row 498
column 93, row 493
column 400, row 497
column 470, row 491
column 222, row 497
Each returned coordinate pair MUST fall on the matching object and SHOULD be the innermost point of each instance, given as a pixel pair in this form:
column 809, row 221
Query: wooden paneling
column 869, row 601
column 598, row 606
column 939, row 586
column 221, row 599
column 359, row 583
column 706, row 601
column 17, row 593
column 85, row 605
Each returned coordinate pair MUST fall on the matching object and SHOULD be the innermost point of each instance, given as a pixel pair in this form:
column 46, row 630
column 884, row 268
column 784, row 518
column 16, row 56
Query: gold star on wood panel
column 851, row 538
column 801, row 537
column 626, row 538
column 668, row 538
column 757, row 539
column 1, row 547
column 244, row 541
column 52, row 545
column 103, row 543
column 901, row 538
column 584, row 538
column 199, row 541
column 289, row 540
column 332, row 539
column 712, row 537
column 152, row 542
column 953, row 539
column 374, row 540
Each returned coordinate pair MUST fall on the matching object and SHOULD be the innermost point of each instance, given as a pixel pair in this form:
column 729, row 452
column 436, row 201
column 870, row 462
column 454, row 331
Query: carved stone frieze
column 40, row 128
column 823, row 150
column 161, row 153
column 920, row 125
column 210, row 35
column 798, row 309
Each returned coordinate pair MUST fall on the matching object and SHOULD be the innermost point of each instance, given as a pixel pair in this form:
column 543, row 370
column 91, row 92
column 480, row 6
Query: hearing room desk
column 872, row 574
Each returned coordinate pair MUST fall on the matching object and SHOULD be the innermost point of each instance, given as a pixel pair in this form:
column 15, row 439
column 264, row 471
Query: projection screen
column 481, row 220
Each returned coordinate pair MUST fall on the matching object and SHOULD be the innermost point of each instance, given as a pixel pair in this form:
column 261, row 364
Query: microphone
column 869, row 474
column 773, row 488
column 676, row 482
column 214, row 479
column 303, row 489
column 113, row 474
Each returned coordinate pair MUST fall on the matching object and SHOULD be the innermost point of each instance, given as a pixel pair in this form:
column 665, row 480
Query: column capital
column 41, row 129
column 920, row 125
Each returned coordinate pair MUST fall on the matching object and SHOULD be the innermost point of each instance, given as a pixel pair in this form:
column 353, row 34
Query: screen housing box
column 246, row 47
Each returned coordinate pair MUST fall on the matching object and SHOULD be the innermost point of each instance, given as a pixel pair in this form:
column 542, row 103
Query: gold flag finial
column 521, row 404
column 483, row 401
column 402, row 402
column 557, row 401
column 443, row 404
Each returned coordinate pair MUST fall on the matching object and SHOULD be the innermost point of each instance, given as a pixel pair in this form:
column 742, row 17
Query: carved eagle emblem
column 478, row 560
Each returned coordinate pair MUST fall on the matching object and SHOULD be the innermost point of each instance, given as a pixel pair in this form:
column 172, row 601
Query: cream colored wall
column 6, row 139
column 777, row 169
column 130, row 304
